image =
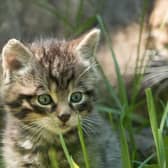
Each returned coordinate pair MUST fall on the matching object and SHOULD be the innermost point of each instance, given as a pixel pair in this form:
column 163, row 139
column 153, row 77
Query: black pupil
column 44, row 99
column 76, row 97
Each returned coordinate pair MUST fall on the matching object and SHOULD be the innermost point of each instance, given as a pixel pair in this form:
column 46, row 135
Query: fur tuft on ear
column 87, row 44
column 14, row 55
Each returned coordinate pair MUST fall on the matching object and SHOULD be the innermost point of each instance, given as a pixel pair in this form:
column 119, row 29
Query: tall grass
column 157, row 130
column 121, row 106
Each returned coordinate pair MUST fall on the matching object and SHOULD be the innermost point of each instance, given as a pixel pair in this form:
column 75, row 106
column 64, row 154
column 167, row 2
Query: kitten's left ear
column 88, row 43
column 15, row 56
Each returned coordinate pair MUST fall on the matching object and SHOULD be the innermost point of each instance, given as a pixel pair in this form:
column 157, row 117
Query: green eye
column 44, row 99
column 76, row 97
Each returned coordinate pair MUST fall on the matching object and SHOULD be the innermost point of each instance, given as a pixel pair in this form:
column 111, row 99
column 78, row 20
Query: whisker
column 87, row 70
column 93, row 121
column 85, row 130
column 36, row 135
column 89, row 129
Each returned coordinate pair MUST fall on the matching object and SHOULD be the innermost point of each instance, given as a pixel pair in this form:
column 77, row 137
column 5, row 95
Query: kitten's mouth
column 64, row 126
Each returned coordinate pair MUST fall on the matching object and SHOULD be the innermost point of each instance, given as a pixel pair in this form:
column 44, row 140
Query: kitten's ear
column 15, row 55
column 87, row 44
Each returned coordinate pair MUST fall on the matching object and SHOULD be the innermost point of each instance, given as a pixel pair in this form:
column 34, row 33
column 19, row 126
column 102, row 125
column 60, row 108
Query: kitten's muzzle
column 64, row 117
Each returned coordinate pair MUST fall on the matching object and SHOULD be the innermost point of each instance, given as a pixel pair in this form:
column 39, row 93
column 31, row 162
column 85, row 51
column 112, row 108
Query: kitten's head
column 50, row 83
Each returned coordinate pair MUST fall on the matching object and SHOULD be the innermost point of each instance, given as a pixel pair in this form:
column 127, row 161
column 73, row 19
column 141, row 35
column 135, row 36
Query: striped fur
column 156, row 72
column 56, row 68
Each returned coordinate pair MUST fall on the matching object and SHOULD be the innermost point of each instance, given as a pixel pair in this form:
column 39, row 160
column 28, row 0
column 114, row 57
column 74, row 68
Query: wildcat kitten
column 46, row 87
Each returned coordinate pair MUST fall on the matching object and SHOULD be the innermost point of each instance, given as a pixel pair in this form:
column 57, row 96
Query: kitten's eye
column 76, row 97
column 44, row 99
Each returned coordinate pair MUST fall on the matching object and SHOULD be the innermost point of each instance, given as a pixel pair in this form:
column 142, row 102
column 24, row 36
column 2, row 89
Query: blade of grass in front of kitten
column 68, row 157
column 84, row 150
column 124, row 149
column 114, row 111
column 166, row 149
column 162, row 153
column 126, row 161
column 53, row 158
column 121, row 87
column 157, row 134
column 74, row 164
column 162, row 144
column 146, row 160
column 164, row 118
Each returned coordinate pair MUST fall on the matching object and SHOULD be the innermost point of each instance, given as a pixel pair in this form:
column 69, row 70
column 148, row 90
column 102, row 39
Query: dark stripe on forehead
column 64, row 78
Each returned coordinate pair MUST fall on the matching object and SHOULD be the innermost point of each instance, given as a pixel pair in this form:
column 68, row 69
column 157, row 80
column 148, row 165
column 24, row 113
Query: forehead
column 58, row 60
column 57, row 93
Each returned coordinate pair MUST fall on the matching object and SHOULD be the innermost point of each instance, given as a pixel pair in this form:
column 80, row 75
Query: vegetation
column 123, row 108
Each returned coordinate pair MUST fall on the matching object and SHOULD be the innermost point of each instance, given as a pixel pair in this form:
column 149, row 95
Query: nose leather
column 64, row 117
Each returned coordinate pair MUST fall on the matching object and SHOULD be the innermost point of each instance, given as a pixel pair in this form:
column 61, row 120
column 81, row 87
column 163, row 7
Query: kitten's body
column 58, row 70
column 102, row 146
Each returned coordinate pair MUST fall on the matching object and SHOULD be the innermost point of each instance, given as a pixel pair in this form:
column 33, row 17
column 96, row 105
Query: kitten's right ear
column 87, row 44
column 15, row 55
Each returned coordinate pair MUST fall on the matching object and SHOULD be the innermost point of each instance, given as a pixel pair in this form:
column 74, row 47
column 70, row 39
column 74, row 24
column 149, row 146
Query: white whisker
column 87, row 70
column 85, row 130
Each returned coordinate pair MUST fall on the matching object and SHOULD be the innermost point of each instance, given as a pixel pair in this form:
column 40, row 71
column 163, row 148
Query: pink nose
column 64, row 117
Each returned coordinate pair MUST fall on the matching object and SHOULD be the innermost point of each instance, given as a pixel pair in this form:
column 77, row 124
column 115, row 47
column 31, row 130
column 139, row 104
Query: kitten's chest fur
column 22, row 150
column 19, row 150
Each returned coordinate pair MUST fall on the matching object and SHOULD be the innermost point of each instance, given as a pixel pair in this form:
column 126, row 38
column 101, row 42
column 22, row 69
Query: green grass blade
column 84, row 150
column 87, row 24
column 157, row 134
column 121, row 84
column 79, row 11
column 53, row 158
column 140, row 60
column 125, row 155
column 164, row 118
column 162, row 153
column 68, row 157
column 124, row 149
column 152, row 112
column 51, row 9
column 147, row 160
column 142, row 22
column 110, row 89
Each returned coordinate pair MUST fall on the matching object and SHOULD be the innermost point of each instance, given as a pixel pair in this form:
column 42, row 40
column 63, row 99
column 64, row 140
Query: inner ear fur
column 15, row 55
column 87, row 44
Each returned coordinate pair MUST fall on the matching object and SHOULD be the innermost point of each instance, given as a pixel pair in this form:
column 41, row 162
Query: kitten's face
column 50, row 84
